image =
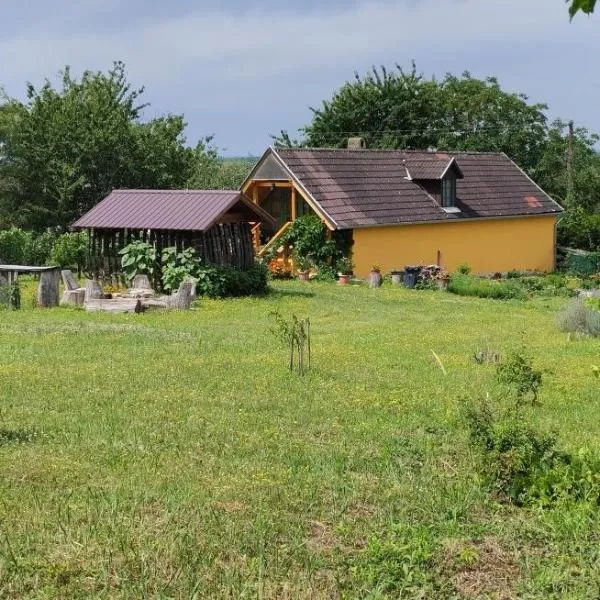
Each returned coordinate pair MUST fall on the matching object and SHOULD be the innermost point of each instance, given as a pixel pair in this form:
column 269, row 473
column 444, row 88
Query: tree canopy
column 402, row 109
column 585, row 6
column 63, row 150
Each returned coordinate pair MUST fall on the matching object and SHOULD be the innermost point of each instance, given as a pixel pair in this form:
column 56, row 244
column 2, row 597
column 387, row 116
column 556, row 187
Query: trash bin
column 411, row 276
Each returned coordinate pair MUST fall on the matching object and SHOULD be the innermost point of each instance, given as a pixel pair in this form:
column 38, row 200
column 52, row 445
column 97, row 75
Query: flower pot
column 374, row 279
column 343, row 279
column 304, row 276
column 397, row 277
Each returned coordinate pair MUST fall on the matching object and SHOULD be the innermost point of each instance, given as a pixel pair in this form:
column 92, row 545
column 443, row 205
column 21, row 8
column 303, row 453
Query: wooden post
column 48, row 289
column 93, row 291
column 255, row 195
column 293, row 210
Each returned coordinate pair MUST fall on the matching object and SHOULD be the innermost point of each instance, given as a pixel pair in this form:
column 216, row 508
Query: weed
column 296, row 335
column 518, row 373
column 579, row 319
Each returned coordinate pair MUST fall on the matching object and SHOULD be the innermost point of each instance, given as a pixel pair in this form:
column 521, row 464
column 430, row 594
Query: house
column 217, row 224
column 404, row 207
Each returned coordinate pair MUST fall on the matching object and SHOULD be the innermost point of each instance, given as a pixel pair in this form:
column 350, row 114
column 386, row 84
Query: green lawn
column 174, row 456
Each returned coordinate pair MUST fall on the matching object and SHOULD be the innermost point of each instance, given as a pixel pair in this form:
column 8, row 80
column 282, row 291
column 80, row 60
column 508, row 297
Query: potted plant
column 344, row 266
column 375, row 277
column 442, row 279
column 303, row 264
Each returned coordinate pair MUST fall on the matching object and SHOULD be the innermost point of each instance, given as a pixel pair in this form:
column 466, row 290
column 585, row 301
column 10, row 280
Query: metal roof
column 175, row 210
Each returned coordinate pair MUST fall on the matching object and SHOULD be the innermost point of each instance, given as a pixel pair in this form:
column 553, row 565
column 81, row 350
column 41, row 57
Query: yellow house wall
column 487, row 246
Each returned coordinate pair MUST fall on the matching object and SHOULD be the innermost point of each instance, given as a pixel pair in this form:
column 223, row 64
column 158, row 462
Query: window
column 449, row 191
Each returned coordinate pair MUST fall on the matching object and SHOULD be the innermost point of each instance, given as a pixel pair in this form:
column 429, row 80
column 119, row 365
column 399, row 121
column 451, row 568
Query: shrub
column 177, row 266
column 39, row 249
column 580, row 319
column 138, row 258
column 70, row 250
column 464, row 269
column 221, row 282
column 518, row 372
column 525, row 466
column 13, row 246
column 467, row 285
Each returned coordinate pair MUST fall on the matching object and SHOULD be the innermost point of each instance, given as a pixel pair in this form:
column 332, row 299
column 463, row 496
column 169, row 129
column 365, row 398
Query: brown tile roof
column 176, row 210
column 362, row 188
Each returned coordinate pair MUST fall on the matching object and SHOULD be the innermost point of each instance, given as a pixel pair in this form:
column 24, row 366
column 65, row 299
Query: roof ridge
column 171, row 191
column 390, row 150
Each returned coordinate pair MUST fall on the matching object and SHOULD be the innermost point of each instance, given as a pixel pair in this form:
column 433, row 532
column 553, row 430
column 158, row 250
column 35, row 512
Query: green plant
column 295, row 334
column 344, row 265
column 138, row 258
column 13, row 246
column 178, row 266
column 468, row 285
column 39, row 248
column 309, row 240
column 463, row 269
column 578, row 318
column 302, row 263
column 70, row 250
column 517, row 372
column 223, row 282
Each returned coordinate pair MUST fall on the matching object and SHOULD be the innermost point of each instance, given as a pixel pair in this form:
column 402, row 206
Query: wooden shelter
column 217, row 224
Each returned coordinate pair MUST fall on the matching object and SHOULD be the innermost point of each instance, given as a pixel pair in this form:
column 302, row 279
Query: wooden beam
column 269, row 184
column 293, row 210
column 255, row 195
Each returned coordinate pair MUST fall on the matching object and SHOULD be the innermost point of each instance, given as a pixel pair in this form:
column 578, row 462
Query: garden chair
column 74, row 294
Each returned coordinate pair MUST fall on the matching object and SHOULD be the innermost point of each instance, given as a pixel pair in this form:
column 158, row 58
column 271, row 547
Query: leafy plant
column 178, row 266
column 138, row 258
column 464, row 269
column 344, row 265
column 580, row 319
column 467, row 285
column 296, row 335
column 13, row 245
column 70, row 250
column 518, row 372
column 223, row 282
column 302, row 263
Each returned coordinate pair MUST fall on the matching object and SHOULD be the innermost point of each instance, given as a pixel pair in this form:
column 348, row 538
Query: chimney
column 356, row 143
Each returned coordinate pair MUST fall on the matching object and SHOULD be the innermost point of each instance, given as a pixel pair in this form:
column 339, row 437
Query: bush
column 467, row 285
column 525, row 466
column 13, row 246
column 138, row 258
column 70, row 250
column 39, row 248
column 176, row 267
column 222, row 282
column 518, row 373
column 580, row 319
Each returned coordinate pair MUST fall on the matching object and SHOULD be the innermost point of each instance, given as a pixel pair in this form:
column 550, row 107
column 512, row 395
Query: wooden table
column 11, row 274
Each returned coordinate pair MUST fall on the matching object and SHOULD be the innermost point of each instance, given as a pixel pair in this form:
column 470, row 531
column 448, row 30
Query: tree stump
column 182, row 299
column 73, row 297
column 141, row 282
column 48, row 289
column 93, row 291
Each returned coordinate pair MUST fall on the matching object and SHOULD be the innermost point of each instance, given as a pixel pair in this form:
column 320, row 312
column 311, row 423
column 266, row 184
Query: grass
column 174, row 456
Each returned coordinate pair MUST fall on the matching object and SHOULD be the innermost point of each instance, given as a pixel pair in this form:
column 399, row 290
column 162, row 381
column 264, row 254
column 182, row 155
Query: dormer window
column 449, row 191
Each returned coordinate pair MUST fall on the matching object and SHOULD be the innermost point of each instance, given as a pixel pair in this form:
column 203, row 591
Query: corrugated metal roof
column 362, row 188
column 176, row 210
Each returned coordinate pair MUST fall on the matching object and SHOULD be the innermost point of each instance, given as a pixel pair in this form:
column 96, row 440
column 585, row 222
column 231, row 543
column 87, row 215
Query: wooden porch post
column 293, row 201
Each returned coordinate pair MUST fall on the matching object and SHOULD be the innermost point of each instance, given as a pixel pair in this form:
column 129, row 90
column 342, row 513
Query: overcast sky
column 243, row 70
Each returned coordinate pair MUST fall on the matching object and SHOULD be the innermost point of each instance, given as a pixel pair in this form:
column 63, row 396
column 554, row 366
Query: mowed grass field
column 174, row 456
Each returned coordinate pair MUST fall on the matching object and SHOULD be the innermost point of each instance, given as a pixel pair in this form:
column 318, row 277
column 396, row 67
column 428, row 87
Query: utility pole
column 570, row 163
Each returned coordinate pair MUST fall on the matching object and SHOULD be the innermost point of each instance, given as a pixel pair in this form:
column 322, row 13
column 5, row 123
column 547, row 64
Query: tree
column 551, row 171
column 65, row 149
column 586, row 6
column 402, row 109
column 210, row 171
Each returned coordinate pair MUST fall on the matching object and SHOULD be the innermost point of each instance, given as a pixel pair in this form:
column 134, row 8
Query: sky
column 241, row 71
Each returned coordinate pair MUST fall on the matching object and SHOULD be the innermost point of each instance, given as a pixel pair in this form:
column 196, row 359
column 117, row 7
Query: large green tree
column 402, row 109
column 64, row 149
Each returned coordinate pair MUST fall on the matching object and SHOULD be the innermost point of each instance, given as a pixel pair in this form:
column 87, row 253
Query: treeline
column 64, row 149
column 402, row 109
